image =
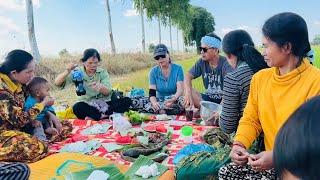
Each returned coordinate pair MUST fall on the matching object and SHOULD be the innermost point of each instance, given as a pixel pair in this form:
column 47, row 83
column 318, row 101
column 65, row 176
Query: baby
column 48, row 123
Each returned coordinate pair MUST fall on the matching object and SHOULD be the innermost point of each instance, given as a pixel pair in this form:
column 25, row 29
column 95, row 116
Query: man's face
column 208, row 53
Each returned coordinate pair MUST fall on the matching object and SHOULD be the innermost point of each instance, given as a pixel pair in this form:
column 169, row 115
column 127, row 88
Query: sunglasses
column 160, row 56
column 204, row 49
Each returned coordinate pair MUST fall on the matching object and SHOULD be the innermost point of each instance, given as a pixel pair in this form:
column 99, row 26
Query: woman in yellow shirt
column 275, row 93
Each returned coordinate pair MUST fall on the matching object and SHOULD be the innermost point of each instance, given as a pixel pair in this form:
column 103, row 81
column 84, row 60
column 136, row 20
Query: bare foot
column 51, row 131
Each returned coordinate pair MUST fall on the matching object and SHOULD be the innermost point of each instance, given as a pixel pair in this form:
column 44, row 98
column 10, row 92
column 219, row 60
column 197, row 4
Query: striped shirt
column 14, row 171
column 235, row 94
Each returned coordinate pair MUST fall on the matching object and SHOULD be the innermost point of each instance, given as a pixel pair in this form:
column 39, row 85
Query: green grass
column 140, row 79
column 317, row 55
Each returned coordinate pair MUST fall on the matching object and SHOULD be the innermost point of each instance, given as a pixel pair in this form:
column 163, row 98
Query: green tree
column 64, row 53
column 316, row 40
column 151, row 47
column 167, row 12
column 201, row 23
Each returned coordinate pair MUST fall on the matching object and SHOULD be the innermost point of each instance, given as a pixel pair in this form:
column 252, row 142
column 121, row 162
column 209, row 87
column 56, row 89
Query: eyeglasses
column 204, row 49
column 160, row 56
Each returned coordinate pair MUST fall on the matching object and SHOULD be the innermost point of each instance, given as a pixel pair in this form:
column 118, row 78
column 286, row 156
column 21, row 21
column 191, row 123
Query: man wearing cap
column 165, row 86
column 212, row 67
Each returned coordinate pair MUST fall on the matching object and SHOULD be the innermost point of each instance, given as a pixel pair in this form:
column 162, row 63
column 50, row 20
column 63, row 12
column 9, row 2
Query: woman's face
column 274, row 55
column 91, row 65
column 164, row 62
column 25, row 75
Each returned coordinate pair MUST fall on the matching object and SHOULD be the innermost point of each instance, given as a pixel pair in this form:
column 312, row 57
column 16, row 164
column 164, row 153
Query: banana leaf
column 142, row 161
column 112, row 170
column 202, row 165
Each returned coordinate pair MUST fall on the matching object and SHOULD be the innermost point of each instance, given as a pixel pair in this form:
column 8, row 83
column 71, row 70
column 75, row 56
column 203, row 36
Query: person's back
column 246, row 60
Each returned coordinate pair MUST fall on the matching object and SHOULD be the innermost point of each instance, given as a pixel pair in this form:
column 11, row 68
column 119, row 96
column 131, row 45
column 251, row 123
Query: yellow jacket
column 273, row 98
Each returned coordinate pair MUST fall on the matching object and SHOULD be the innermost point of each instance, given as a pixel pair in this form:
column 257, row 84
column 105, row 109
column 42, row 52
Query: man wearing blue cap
column 212, row 67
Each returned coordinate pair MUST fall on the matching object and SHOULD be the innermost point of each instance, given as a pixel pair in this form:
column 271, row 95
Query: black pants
column 83, row 110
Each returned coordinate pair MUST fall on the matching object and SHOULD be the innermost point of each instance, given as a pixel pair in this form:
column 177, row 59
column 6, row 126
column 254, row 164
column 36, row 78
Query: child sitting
column 48, row 123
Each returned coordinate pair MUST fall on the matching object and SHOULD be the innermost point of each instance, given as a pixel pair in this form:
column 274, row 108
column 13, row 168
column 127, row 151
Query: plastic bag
column 191, row 149
column 120, row 123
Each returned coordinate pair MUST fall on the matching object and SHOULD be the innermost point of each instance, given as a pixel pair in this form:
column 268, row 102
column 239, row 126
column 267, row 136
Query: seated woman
column 275, row 93
column 294, row 160
column 246, row 60
column 15, row 72
column 96, row 83
column 165, row 86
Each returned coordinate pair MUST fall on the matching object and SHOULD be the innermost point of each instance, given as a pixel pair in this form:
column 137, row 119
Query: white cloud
column 16, row 5
column 7, row 25
column 130, row 13
column 317, row 23
column 250, row 30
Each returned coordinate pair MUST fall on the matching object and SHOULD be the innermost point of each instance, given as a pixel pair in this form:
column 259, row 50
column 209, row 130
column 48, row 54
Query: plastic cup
column 186, row 130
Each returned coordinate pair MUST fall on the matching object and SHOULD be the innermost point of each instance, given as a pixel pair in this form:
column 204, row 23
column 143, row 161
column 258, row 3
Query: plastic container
column 207, row 111
column 186, row 133
column 186, row 130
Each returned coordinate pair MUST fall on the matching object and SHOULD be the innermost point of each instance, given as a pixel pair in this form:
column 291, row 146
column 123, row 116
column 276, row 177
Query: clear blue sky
column 79, row 24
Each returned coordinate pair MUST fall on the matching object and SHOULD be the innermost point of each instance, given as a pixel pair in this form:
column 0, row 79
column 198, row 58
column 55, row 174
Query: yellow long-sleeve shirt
column 273, row 98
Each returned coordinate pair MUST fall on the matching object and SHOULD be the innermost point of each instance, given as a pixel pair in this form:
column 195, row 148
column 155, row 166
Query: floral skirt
column 21, row 147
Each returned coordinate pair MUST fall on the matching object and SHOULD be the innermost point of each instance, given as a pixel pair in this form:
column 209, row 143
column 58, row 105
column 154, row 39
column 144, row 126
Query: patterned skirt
column 21, row 147
column 233, row 172
column 143, row 104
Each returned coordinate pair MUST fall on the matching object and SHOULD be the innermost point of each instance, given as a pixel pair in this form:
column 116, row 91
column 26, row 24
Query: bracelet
column 238, row 144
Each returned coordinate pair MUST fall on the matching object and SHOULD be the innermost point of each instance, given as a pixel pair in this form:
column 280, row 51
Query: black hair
column 35, row 84
column 285, row 28
column 240, row 44
column 212, row 34
column 88, row 53
column 297, row 145
column 16, row 60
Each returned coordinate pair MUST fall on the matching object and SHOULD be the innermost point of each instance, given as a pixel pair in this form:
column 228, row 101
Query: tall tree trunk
column 142, row 28
column 159, row 24
column 113, row 48
column 31, row 33
column 177, row 39
column 170, row 33
column 183, row 43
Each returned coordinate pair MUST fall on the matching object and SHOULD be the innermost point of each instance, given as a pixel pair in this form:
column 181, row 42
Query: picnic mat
column 47, row 167
column 174, row 146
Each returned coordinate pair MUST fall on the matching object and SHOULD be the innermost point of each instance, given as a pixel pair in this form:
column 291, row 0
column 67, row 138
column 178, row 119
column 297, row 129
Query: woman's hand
column 239, row 155
column 96, row 86
column 71, row 66
column 262, row 161
column 155, row 105
column 168, row 103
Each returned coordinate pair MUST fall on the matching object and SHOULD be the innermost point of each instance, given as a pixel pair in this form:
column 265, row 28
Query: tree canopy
column 195, row 22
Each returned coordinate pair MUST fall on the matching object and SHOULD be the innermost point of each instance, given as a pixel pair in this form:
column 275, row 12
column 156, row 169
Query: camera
column 77, row 78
